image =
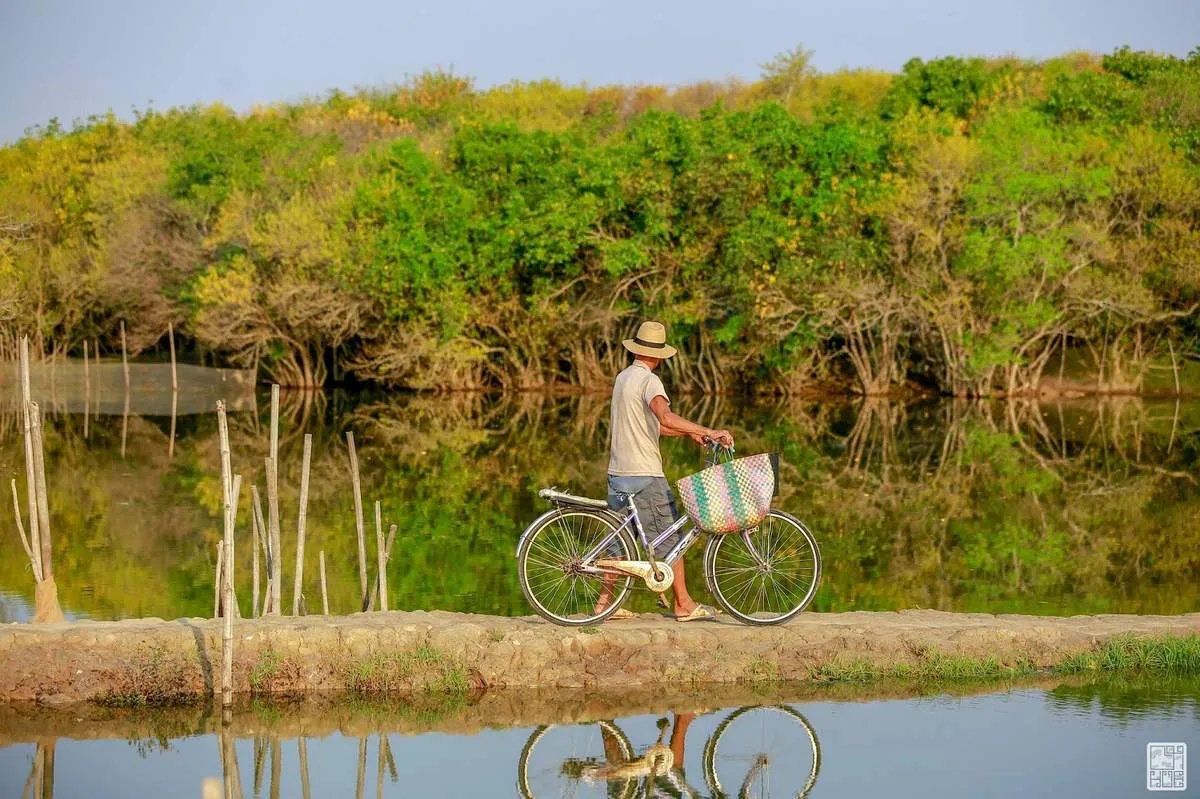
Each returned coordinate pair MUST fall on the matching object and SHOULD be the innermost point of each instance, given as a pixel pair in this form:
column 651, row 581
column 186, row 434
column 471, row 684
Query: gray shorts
column 655, row 503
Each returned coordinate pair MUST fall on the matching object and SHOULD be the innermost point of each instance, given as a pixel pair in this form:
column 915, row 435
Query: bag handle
column 715, row 454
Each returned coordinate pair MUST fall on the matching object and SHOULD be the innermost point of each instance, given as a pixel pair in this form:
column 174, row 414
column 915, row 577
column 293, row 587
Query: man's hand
column 722, row 437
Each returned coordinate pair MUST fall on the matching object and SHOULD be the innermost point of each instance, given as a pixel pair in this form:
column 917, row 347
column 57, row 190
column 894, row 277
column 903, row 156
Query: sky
column 72, row 58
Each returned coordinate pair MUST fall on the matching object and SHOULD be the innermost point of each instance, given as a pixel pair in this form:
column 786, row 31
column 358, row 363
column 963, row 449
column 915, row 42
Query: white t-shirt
column 633, row 433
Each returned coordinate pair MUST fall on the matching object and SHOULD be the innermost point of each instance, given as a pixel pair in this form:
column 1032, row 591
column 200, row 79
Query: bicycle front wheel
column 764, row 751
column 765, row 575
column 550, row 561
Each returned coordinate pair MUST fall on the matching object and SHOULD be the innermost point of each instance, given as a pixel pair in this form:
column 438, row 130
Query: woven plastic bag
column 730, row 496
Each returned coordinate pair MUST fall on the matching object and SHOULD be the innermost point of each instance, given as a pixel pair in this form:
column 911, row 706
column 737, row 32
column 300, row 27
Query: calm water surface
column 1077, row 507
column 1063, row 741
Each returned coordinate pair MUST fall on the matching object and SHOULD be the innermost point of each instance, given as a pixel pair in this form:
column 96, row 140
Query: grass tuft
column 1157, row 654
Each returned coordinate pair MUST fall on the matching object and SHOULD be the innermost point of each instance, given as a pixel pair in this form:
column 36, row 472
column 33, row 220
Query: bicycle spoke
column 550, row 566
column 768, row 577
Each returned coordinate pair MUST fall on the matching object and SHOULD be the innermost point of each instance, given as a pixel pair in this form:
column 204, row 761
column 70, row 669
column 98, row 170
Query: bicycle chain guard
column 642, row 570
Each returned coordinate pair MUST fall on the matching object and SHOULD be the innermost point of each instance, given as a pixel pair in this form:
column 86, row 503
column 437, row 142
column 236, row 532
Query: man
column 641, row 412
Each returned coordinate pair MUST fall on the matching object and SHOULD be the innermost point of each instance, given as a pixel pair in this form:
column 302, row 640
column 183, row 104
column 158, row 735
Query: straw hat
column 651, row 341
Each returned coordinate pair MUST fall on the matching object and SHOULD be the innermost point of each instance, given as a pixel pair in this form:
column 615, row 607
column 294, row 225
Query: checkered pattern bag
column 730, row 496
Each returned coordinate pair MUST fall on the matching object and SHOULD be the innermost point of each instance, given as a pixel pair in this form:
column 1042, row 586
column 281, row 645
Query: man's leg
column 661, row 509
column 678, row 735
column 684, row 604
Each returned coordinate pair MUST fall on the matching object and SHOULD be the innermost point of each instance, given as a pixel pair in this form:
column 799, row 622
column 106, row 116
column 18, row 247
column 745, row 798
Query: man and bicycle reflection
column 760, row 751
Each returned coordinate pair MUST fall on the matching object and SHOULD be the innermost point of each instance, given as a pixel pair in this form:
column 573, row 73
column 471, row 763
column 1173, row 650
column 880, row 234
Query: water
column 1052, row 741
column 1078, row 507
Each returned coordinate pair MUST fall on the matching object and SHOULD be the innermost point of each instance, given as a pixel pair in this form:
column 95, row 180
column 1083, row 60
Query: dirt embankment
column 150, row 661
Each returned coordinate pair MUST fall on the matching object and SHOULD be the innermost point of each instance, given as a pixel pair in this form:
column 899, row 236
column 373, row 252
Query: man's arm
column 672, row 424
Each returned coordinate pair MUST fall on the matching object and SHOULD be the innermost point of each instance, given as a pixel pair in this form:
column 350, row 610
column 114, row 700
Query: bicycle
column 569, row 555
column 759, row 750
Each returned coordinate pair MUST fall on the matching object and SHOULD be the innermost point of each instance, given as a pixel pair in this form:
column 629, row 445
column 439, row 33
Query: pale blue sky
column 71, row 58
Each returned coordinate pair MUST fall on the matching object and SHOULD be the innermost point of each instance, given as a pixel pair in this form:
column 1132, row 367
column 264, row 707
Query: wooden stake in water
column 360, row 782
column 273, row 508
column 254, row 570
column 265, row 541
column 324, row 588
column 302, row 745
column 87, row 391
column 227, row 589
column 219, row 584
column 124, row 357
column 358, row 522
column 298, row 587
column 377, row 588
column 171, row 341
column 174, row 412
column 30, row 480
column 380, row 556
column 276, row 768
column 273, row 536
column 33, row 562
column 43, row 503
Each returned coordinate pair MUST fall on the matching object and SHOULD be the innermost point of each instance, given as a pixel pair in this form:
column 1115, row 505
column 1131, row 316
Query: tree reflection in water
column 997, row 506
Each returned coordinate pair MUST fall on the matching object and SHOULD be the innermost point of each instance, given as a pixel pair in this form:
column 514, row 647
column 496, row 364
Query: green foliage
column 948, row 226
column 950, row 84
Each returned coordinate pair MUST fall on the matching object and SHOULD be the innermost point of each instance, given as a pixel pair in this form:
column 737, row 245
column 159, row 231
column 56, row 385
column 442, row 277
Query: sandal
column 699, row 612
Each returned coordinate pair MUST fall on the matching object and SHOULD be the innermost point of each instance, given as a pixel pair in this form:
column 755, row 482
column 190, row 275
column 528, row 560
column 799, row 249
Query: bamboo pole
column 260, row 749
column 359, row 783
column 276, row 768
column 302, row 516
column 302, row 745
column 265, row 542
column 227, row 582
column 376, row 589
column 273, row 507
column 43, row 504
column 30, row 480
column 33, row 562
column 174, row 413
column 358, row 522
column 324, row 589
column 256, row 577
column 124, row 357
column 380, row 556
column 275, row 604
column 379, row 767
column 218, row 583
column 125, row 423
column 391, row 761
column 87, row 391
column 96, row 353
column 171, row 341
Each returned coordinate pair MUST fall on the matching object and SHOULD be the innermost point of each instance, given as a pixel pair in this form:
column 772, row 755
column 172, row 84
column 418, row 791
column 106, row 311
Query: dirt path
column 150, row 660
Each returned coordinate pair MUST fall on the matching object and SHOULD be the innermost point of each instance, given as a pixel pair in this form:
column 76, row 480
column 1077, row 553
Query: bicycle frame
column 648, row 547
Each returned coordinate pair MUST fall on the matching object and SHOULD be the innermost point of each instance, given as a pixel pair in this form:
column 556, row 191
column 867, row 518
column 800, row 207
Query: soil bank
column 149, row 661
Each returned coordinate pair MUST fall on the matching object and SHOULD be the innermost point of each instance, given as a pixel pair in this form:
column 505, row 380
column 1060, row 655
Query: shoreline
column 154, row 662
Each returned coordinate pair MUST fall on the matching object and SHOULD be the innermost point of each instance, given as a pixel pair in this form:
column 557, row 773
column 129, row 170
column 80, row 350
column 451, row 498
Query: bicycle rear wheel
column 556, row 761
column 549, row 565
column 765, row 575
